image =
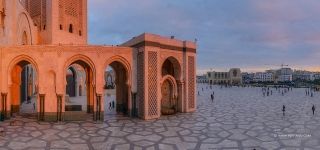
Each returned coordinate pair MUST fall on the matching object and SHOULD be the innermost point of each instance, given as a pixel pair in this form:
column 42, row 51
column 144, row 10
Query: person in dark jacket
column 313, row 109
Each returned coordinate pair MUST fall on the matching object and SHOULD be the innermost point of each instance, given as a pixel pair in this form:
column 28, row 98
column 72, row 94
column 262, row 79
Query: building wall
column 153, row 51
column 41, row 20
column 16, row 25
column 51, row 74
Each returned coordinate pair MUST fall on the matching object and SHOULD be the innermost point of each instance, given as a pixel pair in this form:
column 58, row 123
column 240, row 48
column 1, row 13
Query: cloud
column 230, row 33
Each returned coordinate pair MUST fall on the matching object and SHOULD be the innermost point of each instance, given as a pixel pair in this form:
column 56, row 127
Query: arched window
column 71, row 28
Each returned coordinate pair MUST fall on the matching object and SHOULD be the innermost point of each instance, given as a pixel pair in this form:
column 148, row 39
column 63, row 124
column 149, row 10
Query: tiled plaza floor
column 238, row 118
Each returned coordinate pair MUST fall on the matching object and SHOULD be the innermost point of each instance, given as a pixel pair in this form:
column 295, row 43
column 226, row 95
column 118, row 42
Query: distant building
column 316, row 76
column 232, row 77
column 303, row 75
column 247, row 77
column 263, row 77
column 202, row 79
column 284, row 75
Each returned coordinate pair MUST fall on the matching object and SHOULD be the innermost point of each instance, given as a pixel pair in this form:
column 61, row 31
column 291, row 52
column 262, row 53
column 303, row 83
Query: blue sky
column 231, row 33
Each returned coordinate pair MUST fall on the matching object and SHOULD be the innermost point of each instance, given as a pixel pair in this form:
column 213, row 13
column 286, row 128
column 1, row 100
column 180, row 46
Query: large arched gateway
column 118, row 99
column 48, row 71
column 171, row 75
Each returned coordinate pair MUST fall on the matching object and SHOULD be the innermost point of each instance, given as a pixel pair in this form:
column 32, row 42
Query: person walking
column 313, row 109
column 211, row 97
column 283, row 110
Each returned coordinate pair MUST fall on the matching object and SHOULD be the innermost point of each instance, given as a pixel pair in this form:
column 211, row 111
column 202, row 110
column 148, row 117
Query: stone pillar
column 180, row 95
column 129, row 100
column 98, row 115
column 3, row 114
column 90, row 91
column 59, row 107
column 41, row 116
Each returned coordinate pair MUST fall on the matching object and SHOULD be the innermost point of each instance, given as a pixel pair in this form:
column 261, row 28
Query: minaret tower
column 59, row 21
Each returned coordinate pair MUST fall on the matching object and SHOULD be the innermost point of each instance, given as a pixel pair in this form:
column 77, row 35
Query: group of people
column 266, row 91
column 281, row 90
column 309, row 92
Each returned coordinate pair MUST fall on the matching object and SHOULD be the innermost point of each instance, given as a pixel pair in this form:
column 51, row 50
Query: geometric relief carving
column 152, row 82
column 140, row 83
column 191, row 82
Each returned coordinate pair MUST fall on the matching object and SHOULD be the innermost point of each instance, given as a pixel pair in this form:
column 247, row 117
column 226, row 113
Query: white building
column 303, row 75
column 284, row 75
column 263, row 77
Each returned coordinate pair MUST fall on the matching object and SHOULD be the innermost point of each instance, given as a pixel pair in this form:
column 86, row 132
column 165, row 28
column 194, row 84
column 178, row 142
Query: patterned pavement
column 238, row 118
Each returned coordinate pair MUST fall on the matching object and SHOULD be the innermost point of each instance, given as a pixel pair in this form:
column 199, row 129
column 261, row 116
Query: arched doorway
column 116, row 96
column 23, row 89
column 79, row 97
column 171, row 93
column 71, row 82
column 169, row 101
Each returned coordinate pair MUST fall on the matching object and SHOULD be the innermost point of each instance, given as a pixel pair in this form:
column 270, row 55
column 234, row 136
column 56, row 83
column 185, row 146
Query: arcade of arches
column 138, row 78
column 49, row 71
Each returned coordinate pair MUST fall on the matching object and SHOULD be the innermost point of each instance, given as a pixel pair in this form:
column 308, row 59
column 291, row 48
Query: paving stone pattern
column 238, row 118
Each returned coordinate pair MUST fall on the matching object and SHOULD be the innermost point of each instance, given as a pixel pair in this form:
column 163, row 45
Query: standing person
column 283, row 110
column 311, row 94
column 113, row 105
column 198, row 93
column 211, row 97
column 110, row 106
column 313, row 109
column 34, row 106
column 271, row 92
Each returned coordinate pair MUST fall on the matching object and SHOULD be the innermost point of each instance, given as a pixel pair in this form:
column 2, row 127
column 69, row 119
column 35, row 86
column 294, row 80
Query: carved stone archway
column 21, row 85
column 75, row 112
column 169, row 95
column 122, row 103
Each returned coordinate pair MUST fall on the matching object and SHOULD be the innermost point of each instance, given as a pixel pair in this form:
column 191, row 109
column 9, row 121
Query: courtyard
column 237, row 118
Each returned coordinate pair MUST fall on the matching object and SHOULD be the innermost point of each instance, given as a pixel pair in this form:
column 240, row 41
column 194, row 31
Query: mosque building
column 49, row 71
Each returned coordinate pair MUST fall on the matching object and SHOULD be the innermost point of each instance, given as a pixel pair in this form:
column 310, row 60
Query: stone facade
column 232, row 77
column 53, row 45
